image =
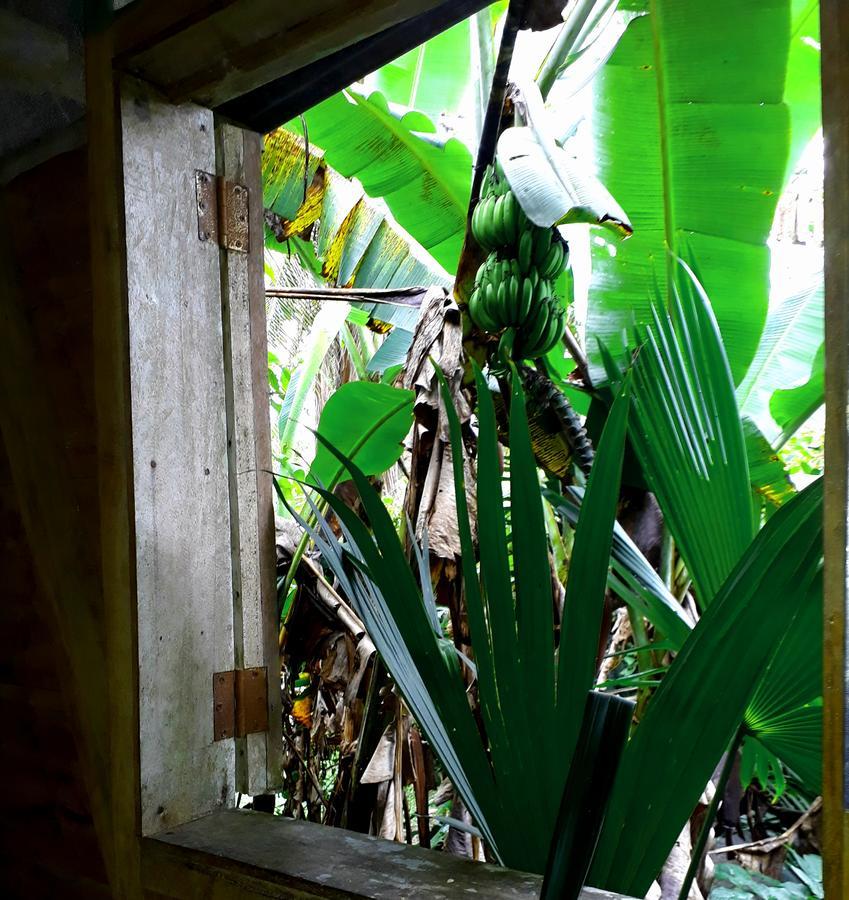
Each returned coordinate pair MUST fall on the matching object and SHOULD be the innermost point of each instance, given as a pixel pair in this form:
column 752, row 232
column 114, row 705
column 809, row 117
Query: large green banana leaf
column 791, row 344
column 802, row 88
column 691, row 135
column 396, row 154
column 699, row 705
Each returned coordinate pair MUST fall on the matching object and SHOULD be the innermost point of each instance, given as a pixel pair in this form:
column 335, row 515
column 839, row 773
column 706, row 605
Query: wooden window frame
column 244, row 854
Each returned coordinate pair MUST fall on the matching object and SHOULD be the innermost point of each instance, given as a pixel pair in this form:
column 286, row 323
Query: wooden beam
column 212, row 53
column 114, row 461
column 269, row 106
column 834, row 16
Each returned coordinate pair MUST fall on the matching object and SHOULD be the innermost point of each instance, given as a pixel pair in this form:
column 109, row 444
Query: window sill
column 239, row 853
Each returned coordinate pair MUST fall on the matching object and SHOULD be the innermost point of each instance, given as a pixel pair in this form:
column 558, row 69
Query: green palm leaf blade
column 785, row 712
column 497, row 590
column 632, row 577
column 691, row 718
column 604, row 731
column 534, row 603
column 403, row 633
column 396, row 154
column 584, row 602
column 692, row 138
column 687, row 434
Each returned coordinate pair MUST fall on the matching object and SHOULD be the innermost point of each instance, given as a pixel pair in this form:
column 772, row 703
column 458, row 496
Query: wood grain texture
column 181, row 482
column 211, row 55
column 116, row 539
column 835, row 85
column 244, row 854
column 258, row 756
column 51, row 633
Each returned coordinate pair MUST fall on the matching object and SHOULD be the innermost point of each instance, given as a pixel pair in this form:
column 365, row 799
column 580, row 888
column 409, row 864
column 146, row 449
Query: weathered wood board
column 258, row 756
column 243, row 854
column 181, row 482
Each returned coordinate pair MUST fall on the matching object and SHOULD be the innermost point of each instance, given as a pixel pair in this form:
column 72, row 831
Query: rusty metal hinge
column 239, row 702
column 223, row 212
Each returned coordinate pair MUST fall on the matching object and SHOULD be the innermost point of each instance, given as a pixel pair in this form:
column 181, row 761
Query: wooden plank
column 213, row 55
column 277, row 857
column 258, row 756
column 834, row 16
column 114, row 463
column 181, row 489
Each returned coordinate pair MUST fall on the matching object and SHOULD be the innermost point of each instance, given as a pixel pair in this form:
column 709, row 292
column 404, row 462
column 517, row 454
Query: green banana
column 525, row 250
column 542, row 244
column 526, row 297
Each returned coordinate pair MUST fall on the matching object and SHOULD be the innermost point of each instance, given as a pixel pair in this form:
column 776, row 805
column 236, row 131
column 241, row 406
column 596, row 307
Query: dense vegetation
column 561, row 415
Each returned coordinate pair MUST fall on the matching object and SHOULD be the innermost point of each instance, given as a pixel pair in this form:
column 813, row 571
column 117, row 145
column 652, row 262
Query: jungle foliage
column 664, row 123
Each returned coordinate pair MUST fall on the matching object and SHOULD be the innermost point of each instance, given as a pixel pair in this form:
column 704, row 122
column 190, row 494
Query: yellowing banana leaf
column 691, row 135
column 771, row 484
column 286, row 173
column 397, row 155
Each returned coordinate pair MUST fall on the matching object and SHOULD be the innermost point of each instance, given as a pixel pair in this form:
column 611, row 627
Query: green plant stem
column 710, row 815
column 667, row 556
column 354, row 352
column 565, row 44
column 497, row 95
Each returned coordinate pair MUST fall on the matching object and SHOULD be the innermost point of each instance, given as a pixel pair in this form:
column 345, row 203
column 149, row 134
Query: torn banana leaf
column 552, row 187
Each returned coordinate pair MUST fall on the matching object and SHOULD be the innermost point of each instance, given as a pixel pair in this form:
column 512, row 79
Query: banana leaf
column 397, row 155
column 701, row 701
column 771, row 484
column 692, row 136
column 790, row 347
column 383, row 416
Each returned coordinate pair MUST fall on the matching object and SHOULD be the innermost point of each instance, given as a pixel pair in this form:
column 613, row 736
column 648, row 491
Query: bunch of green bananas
column 505, row 296
column 513, row 287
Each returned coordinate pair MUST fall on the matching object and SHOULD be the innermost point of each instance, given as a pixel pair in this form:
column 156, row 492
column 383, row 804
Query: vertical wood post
column 258, row 756
column 835, row 85
column 114, row 461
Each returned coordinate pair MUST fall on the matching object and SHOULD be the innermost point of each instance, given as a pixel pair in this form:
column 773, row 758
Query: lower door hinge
column 223, row 212
column 240, row 702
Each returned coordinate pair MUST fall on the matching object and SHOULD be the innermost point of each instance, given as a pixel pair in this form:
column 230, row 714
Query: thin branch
column 578, row 355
